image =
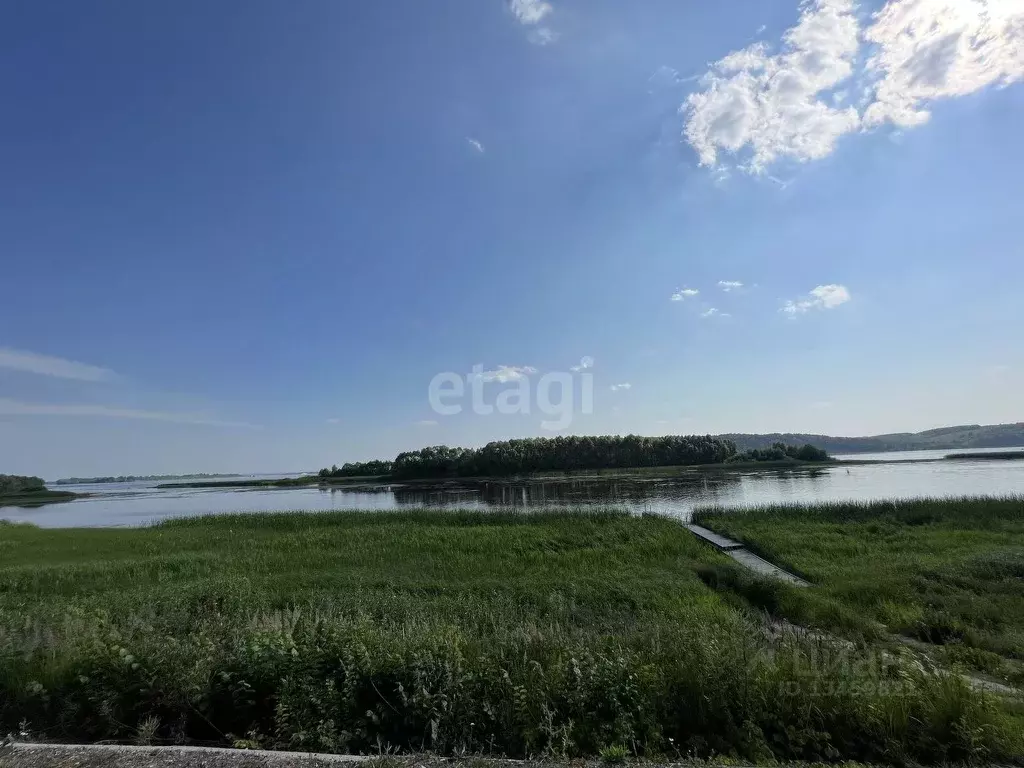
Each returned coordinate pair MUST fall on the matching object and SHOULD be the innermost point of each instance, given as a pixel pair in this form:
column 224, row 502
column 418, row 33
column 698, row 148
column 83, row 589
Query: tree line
column 782, row 452
column 10, row 484
column 566, row 454
column 359, row 469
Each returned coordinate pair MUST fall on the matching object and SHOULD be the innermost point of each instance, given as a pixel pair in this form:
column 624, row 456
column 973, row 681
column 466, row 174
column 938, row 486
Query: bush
column 12, row 484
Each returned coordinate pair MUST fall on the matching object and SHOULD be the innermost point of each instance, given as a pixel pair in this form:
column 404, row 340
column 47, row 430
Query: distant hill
column 968, row 436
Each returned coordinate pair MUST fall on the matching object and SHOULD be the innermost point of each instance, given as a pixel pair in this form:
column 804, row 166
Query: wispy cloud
column 426, row 423
column 713, row 312
column 761, row 106
column 17, row 408
column 822, row 297
column 532, row 13
column 620, row 387
column 683, row 294
column 543, row 36
column 729, row 285
column 475, row 144
column 585, row 362
column 45, row 365
column 503, row 373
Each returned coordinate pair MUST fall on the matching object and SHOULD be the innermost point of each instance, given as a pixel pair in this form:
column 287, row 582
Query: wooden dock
column 745, row 557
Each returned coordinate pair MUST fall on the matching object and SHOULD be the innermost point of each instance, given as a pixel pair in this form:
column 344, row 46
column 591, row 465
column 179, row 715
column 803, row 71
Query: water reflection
column 635, row 492
column 674, row 494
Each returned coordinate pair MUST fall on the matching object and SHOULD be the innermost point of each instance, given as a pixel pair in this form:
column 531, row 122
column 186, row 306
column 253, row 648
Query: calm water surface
column 678, row 495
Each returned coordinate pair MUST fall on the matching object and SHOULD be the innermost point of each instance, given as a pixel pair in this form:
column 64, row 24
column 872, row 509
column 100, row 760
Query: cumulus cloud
column 503, row 373
column 17, row 408
column 475, row 144
column 685, row 293
column 586, row 362
column 729, row 285
column 620, row 387
column 44, row 365
column 773, row 104
column 935, row 49
column 713, row 312
column 822, row 297
column 762, row 106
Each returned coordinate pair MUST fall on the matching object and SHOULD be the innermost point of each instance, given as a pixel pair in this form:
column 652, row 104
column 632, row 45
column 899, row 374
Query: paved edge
column 172, row 750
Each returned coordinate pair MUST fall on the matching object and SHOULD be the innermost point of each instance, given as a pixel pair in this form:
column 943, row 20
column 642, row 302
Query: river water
column 676, row 494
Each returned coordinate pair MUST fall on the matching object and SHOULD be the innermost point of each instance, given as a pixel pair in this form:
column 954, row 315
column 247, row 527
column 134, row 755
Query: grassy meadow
column 945, row 572
column 558, row 633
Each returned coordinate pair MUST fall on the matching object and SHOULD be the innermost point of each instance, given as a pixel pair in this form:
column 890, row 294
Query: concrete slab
column 761, row 566
column 716, row 540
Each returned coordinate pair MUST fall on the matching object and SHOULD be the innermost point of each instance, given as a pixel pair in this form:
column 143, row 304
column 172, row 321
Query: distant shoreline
column 37, row 498
column 137, row 478
column 314, row 480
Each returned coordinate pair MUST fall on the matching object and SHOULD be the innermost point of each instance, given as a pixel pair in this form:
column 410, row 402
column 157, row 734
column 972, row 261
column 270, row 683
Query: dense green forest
column 18, row 484
column 568, row 453
column 966, row 436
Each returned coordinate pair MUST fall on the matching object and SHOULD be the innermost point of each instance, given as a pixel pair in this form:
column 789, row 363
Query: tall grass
column 949, row 572
column 558, row 633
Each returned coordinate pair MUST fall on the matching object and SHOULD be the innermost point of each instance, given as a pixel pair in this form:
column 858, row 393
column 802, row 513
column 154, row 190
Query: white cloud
column 585, row 362
column 822, row 297
column 795, row 103
column 504, row 373
column 620, row 387
column 773, row 105
column 475, row 144
column 530, row 11
column 729, row 285
column 935, row 49
column 44, row 365
column 713, row 312
column 684, row 293
column 16, row 408
column 426, row 423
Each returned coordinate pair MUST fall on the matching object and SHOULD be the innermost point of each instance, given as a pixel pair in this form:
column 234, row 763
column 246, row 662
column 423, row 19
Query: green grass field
column 553, row 633
column 950, row 572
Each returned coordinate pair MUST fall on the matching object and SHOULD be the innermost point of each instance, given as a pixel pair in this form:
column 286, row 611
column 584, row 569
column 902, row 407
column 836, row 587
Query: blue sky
column 244, row 236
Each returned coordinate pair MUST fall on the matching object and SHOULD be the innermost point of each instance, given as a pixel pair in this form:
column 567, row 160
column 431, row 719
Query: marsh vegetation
column 560, row 633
